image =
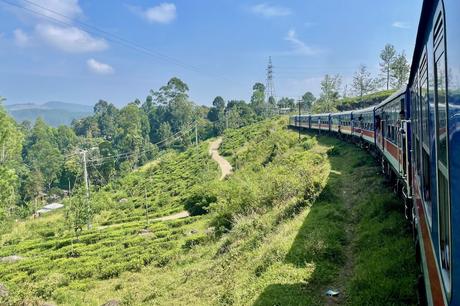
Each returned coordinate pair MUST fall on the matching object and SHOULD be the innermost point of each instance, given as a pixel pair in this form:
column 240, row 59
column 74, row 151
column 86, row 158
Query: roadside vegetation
column 286, row 226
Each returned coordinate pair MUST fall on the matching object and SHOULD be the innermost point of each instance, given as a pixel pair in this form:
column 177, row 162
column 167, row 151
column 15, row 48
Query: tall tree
column 216, row 115
column 400, row 69
column 387, row 57
column 132, row 135
column 106, row 116
column 329, row 96
column 307, row 101
column 286, row 102
column 10, row 156
column 174, row 105
column 258, row 99
column 165, row 134
column 363, row 83
column 239, row 114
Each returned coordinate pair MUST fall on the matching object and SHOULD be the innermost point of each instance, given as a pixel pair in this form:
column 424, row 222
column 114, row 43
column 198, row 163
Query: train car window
column 442, row 111
column 442, row 154
column 417, row 126
column 425, row 110
column 442, row 137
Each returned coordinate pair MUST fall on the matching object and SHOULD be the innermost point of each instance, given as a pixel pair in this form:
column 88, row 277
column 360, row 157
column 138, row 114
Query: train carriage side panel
column 452, row 12
column 365, row 122
column 345, row 123
column 434, row 125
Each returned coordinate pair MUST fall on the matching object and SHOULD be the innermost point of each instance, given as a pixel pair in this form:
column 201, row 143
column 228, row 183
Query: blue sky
column 217, row 47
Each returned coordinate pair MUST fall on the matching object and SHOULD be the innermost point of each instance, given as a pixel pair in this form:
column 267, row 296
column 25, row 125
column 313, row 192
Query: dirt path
column 224, row 165
column 225, row 169
column 179, row 215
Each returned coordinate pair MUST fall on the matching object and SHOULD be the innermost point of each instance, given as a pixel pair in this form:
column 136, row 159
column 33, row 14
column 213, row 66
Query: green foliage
column 400, row 70
column 309, row 142
column 10, row 156
column 78, row 212
column 307, row 101
column 363, row 83
column 258, row 99
column 366, row 101
column 271, row 233
column 387, row 56
column 329, row 96
column 286, row 102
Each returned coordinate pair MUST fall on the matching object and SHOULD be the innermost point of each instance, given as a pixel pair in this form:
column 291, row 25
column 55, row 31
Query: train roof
column 320, row 115
column 392, row 97
column 427, row 10
column 364, row 110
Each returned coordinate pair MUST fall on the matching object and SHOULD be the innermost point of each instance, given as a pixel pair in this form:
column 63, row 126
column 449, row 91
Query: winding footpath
column 224, row 165
column 225, row 169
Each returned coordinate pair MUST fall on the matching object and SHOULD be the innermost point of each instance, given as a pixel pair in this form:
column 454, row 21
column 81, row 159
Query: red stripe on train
column 435, row 282
column 368, row 133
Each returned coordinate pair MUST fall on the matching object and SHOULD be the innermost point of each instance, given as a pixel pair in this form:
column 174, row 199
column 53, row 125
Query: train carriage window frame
column 442, row 160
column 424, row 124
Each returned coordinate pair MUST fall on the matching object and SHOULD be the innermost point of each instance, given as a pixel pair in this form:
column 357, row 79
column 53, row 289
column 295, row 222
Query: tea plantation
column 281, row 230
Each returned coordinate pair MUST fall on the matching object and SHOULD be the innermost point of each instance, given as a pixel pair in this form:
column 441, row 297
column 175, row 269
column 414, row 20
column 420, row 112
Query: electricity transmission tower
column 270, row 86
column 270, row 89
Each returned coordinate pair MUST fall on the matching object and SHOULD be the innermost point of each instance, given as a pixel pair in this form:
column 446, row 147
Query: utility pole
column 145, row 205
column 298, row 119
column 85, row 171
column 85, row 174
column 226, row 119
column 196, row 133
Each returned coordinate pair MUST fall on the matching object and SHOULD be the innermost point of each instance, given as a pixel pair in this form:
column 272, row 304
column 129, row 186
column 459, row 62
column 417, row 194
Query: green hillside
column 286, row 226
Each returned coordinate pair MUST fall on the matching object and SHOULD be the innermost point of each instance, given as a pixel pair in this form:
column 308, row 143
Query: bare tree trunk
column 388, row 77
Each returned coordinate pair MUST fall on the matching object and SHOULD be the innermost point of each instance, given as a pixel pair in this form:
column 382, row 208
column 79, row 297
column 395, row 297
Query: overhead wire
column 110, row 36
column 173, row 137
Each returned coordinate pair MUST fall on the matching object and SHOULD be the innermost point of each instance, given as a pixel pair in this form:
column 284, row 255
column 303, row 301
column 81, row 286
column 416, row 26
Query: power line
column 110, row 36
column 128, row 154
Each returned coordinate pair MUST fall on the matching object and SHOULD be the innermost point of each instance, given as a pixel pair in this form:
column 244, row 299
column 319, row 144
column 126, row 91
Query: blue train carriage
column 299, row 121
column 292, row 120
column 325, row 122
column 345, row 122
column 335, row 122
column 391, row 117
column 315, row 121
column 305, row 121
column 434, row 85
column 363, row 124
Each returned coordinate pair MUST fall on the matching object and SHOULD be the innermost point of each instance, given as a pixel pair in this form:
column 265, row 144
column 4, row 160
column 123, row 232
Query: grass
column 286, row 226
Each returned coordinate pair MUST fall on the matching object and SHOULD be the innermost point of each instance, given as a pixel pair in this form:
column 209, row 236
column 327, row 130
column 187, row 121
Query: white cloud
column 162, row 13
column 98, row 67
column 56, row 9
column 267, row 10
column 21, row 38
column 400, row 25
column 70, row 39
column 299, row 47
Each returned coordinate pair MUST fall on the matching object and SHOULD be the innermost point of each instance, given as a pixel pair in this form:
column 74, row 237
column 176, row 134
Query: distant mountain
column 54, row 113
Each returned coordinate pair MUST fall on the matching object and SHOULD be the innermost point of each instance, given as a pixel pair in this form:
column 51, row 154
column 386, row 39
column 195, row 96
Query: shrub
column 309, row 142
column 200, row 198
